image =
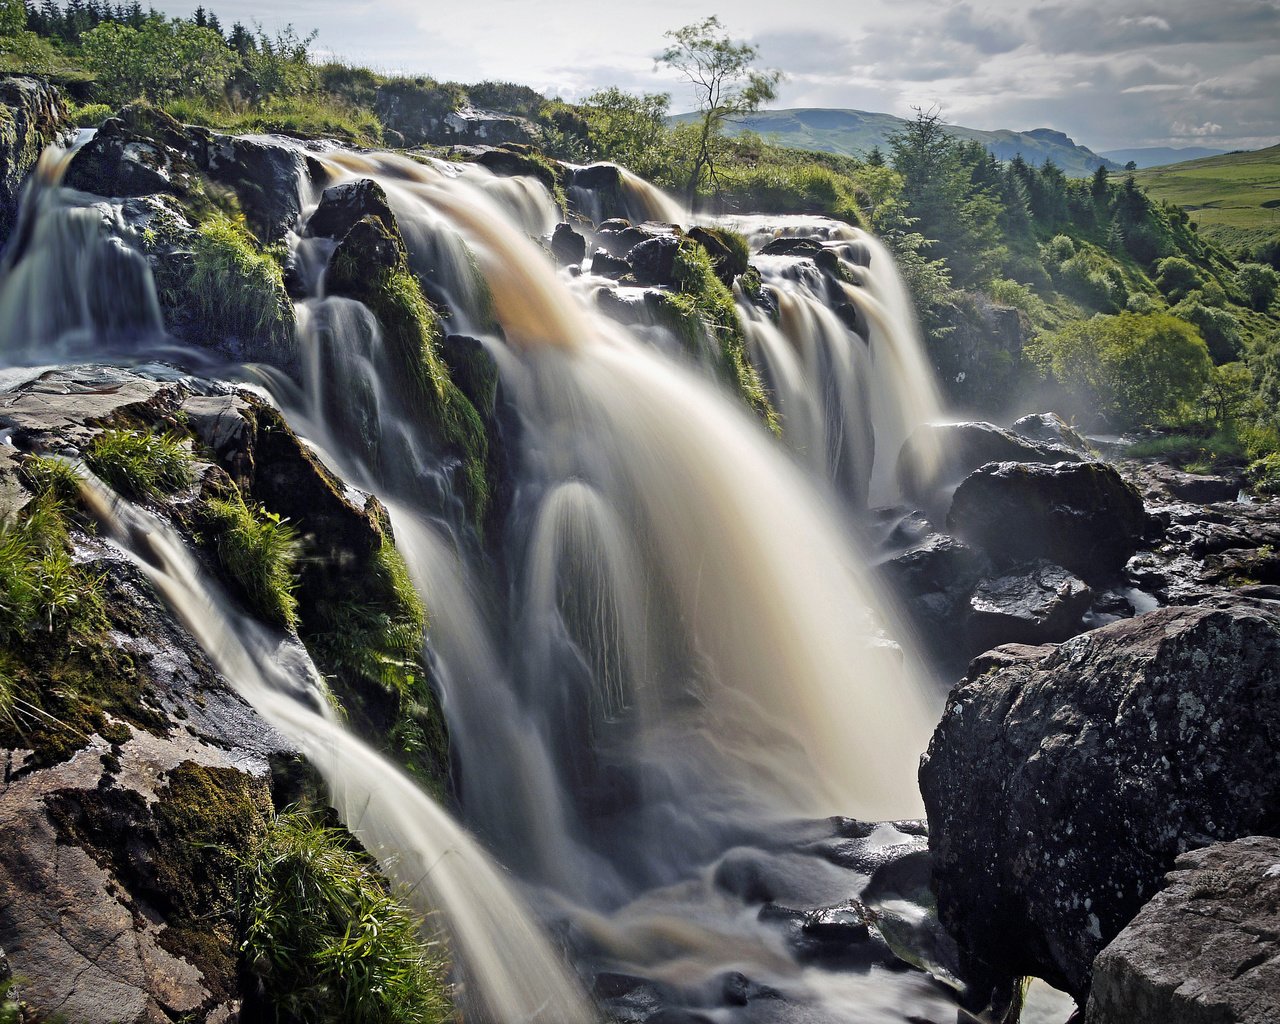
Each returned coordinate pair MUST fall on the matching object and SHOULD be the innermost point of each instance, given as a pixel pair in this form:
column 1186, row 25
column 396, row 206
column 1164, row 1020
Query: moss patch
column 702, row 306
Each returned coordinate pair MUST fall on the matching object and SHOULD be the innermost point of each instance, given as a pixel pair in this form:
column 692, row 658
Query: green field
column 1233, row 198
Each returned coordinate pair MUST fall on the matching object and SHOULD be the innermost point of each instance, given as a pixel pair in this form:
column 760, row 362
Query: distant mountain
column 1161, row 155
column 855, row 132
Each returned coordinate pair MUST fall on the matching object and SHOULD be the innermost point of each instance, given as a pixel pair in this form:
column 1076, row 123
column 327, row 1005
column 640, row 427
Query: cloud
column 1195, row 131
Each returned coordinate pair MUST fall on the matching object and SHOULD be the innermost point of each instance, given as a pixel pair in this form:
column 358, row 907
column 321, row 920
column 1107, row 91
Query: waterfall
column 512, row 972
column 669, row 651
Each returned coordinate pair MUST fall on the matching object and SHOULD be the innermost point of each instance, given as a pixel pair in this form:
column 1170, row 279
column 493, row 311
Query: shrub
column 1129, row 369
column 88, row 115
column 1175, row 277
column 329, row 943
column 1216, row 326
column 158, row 61
column 238, row 289
column 1007, row 292
column 1264, row 474
column 1258, row 283
column 139, row 463
column 258, row 550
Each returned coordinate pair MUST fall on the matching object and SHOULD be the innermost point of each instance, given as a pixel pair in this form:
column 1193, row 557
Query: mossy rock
column 371, row 266
column 728, row 250
column 515, row 159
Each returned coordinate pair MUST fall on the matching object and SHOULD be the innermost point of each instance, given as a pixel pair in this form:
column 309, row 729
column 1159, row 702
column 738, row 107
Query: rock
column 728, row 260
column 270, row 178
column 567, row 246
column 937, row 456
column 1050, row 428
column 606, row 265
column 597, row 177
column 342, row 205
column 653, row 260
column 1030, row 604
column 933, row 580
column 1062, row 782
column 807, row 248
column 1162, row 482
column 1081, row 515
column 121, row 162
column 512, row 160
column 32, row 116
column 620, row 241
column 1205, row 949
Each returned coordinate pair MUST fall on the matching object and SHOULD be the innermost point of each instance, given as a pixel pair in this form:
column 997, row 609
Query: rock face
column 1062, row 782
column 1205, row 949
column 342, row 205
column 1083, row 515
column 32, row 116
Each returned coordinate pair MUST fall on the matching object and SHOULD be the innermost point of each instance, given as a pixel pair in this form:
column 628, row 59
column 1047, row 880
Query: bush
column 1128, row 369
column 1175, row 277
column 139, row 463
column 1264, row 474
column 158, row 62
column 1258, row 283
column 1216, row 326
column 328, row 941
column 258, row 550
column 88, row 115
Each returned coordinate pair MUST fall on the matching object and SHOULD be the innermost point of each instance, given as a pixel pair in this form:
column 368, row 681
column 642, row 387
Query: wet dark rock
column 1160, row 482
column 739, row 990
column 937, row 456
column 933, row 580
column 653, row 260
column 619, row 242
column 567, row 246
column 606, row 265
column 1203, row 950
column 1050, row 428
column 728, row 261
column 806, row 248
column 597, row 177
column 32, row 116
column 613, row 223
column 341, row 206
column 369, row 246
column 1081, row 515
column 1062, row 782
column 266, row 175
column 132, row 155
column 515, row 160
column 1029, row 604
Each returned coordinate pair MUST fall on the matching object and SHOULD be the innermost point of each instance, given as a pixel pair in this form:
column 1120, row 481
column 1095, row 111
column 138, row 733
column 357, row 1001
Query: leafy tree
column 158, row 62
column 725, row 84
column 1229, row 393
column 629, row 129
column 1258, row 282
column 13, row 17
column 1175, row 277
column 1130, row 369
column 274, row 67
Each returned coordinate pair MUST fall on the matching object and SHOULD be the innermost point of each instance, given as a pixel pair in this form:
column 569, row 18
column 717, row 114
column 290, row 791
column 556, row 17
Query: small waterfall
column 636, row 199
column 512, row 973
column 68, row 278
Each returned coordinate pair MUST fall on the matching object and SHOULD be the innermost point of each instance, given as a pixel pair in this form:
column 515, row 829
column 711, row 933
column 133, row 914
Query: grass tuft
column 139, row 463
column 259, row 550
column 238, row 289
column 328, row 940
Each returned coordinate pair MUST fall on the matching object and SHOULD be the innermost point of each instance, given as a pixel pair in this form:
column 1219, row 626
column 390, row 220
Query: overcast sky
column 1110, row 73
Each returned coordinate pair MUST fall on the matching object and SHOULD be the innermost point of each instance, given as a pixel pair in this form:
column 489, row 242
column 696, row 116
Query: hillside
column 855, row 132
column 1158, row 156
column 1235, row 198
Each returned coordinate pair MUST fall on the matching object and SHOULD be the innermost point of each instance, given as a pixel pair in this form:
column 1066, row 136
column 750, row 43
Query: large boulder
column 1062, row 782
column 653, row 261
column 32, row 116
column 568, row 247
column 1050, row 428
column 729, row 259
column 939, row 455
column 1205, row 949
column 1081, row 515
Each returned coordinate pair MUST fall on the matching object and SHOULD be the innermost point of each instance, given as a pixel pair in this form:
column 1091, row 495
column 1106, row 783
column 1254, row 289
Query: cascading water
column 673, row 651
column 512, row 973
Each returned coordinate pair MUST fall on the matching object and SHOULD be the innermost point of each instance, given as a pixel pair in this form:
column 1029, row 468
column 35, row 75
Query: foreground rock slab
column 1063, row 782
column 1205, row 950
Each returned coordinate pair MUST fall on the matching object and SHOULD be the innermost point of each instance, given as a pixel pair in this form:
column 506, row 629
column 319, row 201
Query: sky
column 1110, row 73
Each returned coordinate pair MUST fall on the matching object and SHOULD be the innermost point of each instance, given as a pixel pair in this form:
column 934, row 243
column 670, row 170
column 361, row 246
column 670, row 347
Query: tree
column 1130, row 369
column 157, row 62
column 628, row 129
column 13, row 17
column 725, row 84
column 1258, row 282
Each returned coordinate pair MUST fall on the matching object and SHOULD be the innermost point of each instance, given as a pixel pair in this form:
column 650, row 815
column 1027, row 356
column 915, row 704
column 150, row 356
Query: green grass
column 139, row 463
column 88, row 115
column 327, row 939
column 41, row 586
column 238, row 289
column 307, row 116
column 1192, row 452
column 1239, row 191
column 258, row 550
